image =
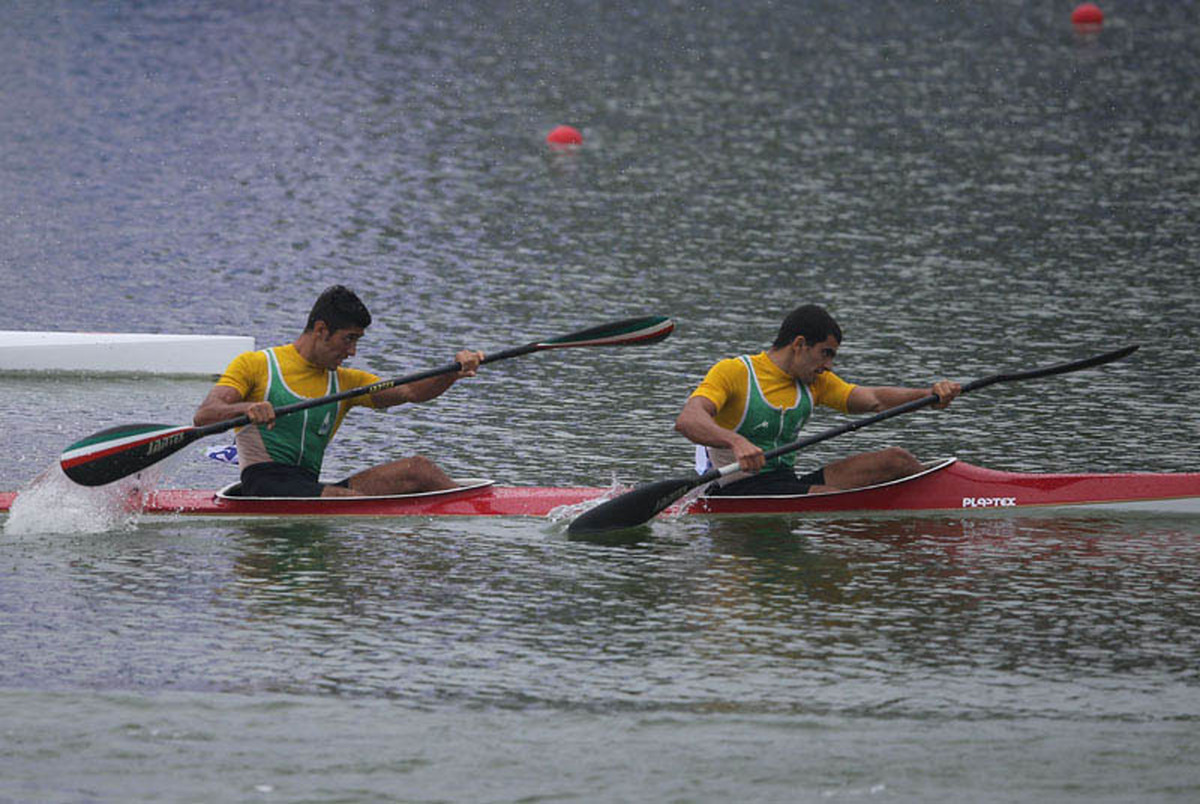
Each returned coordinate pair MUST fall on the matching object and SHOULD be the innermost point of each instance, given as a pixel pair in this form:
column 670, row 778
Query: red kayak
column 948, row 486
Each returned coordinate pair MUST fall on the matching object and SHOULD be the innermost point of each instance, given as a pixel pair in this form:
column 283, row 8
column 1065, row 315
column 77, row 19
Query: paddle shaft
column 933, row 399
column 613, row 334
column 644, row 502
column 382, row 385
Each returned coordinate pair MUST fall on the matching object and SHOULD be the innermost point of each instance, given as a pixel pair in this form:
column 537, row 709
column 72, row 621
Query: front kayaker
column 282, row 457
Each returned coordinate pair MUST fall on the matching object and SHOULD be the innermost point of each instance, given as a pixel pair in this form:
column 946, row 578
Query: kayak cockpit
column 931, row 467
column 233, row 493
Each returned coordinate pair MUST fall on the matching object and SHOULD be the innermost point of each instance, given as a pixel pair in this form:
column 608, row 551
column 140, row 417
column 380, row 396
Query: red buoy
column 1087, row 14
column 564, row 135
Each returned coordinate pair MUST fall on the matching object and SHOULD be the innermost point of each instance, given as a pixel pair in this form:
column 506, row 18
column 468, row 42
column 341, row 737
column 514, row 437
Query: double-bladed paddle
column 120, row 451
column 649, row 499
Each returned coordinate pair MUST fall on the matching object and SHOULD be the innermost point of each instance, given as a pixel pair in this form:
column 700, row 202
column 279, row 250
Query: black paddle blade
column 120, row 451
column 634, row 507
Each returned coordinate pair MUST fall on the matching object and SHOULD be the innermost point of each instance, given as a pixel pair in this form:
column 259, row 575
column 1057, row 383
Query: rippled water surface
column 970, row 188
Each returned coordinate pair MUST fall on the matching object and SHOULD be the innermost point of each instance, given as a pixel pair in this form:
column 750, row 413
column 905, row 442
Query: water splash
column 685, row 503
column 564, row 514
column 52, row 503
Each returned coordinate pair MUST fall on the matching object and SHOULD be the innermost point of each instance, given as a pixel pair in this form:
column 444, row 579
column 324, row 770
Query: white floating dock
column 119, row 352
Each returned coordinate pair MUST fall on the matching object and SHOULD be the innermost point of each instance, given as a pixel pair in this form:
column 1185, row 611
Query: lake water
column 970, row 188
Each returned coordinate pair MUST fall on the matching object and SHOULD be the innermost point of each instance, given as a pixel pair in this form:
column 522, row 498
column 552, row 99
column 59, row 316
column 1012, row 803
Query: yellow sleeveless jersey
column 249, row 374
column 727, row 386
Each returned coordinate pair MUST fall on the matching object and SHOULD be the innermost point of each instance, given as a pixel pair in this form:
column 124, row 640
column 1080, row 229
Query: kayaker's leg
column 869, row 468
column 406, row 476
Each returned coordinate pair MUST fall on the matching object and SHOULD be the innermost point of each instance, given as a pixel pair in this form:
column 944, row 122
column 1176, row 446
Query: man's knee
column 899, row 461
column 420, row 466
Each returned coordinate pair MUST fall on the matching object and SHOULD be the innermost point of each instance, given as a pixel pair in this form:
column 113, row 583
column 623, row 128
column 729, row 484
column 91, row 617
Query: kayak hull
column 959, row 487
column 949, row 486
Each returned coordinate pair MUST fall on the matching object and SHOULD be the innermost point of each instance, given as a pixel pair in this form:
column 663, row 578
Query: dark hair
column 810, row 320
column 339, row 308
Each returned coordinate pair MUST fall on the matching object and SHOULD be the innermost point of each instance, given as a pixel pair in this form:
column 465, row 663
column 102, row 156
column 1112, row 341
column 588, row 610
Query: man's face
column 809, row 361
column 334, row 346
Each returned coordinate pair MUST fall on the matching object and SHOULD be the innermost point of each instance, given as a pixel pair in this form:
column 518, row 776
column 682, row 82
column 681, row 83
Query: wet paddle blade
column 120, row 451
column 634, row 507
column 628, row 332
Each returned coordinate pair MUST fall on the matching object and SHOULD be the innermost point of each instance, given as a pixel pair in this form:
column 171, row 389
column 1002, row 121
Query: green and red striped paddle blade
column 629, row 332
column 626, row 332
column 123, row 450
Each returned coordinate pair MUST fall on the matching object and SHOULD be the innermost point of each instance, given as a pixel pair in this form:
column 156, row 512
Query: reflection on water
column 1028, row 596
column 944, row 625
column 707, row 613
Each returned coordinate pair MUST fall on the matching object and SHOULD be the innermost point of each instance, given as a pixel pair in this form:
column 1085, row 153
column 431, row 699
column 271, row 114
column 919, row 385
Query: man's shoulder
column 247, row 362
column 737, row 363
column 726, row 377
column 244, row 372
column 355, row 378
column 828, row 378
column 832, row 391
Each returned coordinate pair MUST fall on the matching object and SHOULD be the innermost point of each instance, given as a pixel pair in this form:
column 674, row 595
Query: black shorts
column 270, row 479
column 780, row 482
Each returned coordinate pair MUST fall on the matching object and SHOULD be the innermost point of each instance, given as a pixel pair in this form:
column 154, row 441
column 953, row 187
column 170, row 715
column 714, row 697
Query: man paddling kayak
column 282, row 457
column 747, row 405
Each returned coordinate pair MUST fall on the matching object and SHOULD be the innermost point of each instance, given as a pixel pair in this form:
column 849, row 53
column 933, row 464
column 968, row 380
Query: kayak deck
column 946, row 486
column 950, row 485
column 474, row 497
